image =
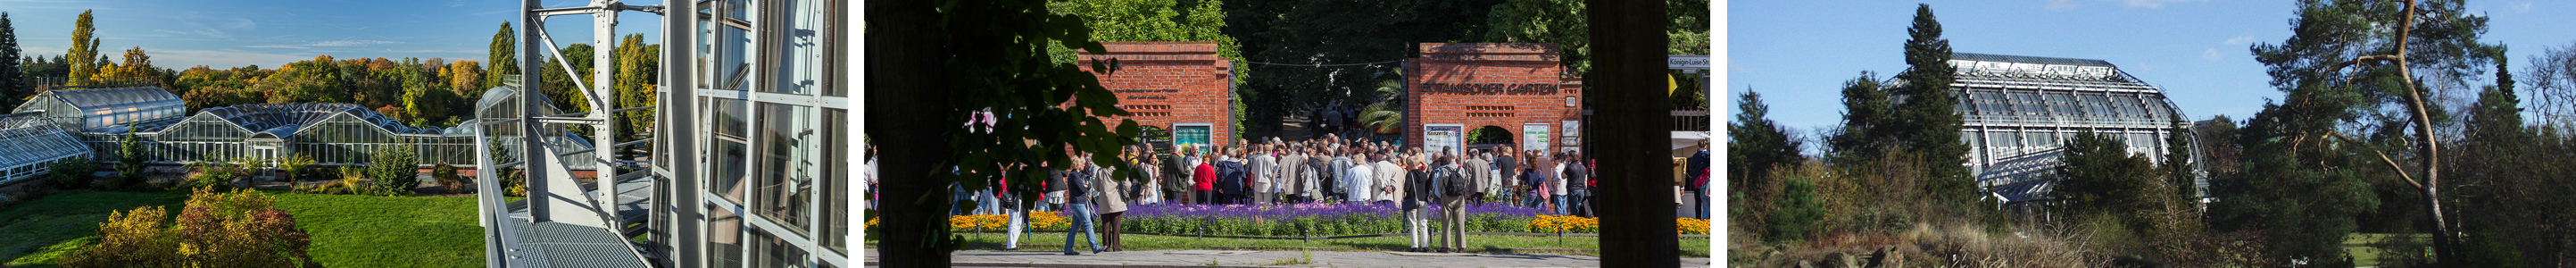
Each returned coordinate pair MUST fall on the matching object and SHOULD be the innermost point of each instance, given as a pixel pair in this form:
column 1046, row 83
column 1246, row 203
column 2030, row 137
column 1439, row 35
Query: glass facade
column 331, row 134
column 770, row 135
column 2019, row 110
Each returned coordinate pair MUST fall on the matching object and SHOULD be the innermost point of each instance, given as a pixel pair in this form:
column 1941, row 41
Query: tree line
column 421, row 92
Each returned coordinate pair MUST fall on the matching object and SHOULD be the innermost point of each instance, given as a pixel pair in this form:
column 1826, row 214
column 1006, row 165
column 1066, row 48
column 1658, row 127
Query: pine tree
column 504, row 58
column 13, row 84
column 84, row 52
column 1864, row 112
column 1755, row 146
column 1927, row 121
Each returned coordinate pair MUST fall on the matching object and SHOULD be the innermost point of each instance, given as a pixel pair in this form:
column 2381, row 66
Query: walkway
column 1203, row 258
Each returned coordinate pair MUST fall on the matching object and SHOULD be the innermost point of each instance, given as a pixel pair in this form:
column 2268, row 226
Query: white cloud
column 2240, row 40
column 2520, row 7
column 2211, row 54
column 2157, row 3
column 2061, row 4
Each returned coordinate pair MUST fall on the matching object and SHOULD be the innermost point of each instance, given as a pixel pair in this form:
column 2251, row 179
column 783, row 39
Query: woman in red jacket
column 1205, row 176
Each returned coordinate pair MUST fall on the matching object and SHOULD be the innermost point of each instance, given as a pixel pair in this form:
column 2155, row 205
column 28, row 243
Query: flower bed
column 1313, row 219
column 1309, row 219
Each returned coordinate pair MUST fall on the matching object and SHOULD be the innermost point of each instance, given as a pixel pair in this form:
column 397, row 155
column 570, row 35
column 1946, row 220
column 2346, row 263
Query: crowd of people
column 1324, row 170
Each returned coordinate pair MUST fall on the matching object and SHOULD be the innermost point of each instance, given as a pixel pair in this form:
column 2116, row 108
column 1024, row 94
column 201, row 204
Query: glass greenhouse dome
column 2018, row 112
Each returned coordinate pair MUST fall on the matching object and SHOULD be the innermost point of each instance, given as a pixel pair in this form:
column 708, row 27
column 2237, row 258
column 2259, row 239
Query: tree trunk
column 2445, row 248
column 904, row 106
column 1635, row 196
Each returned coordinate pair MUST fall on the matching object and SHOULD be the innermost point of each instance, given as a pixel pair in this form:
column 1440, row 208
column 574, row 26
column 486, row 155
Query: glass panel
column 728, row 156
column 769, row 251
column 799, row 60
column 836, row 201
column 724, row 237
column 787, row 166
column 728, row 116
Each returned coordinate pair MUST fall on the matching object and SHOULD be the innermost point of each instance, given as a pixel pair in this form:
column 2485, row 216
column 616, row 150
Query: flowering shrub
column 217, row 229
column 1691, row 226
column 1050, row 221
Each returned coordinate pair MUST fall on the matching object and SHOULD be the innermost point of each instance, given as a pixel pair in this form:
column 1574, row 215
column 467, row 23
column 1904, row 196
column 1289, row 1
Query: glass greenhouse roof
column 29, row 142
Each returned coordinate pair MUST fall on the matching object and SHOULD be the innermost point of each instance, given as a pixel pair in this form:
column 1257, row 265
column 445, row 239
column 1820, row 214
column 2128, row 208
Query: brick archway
column 1507, row 85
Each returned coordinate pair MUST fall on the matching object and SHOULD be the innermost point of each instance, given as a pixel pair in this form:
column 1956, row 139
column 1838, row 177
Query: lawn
column 347, row 230
column 2363, row 255
column 35, row 232
column 1054, row 241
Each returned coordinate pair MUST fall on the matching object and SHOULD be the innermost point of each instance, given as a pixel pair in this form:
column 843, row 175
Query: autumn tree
column 637, row 69
column 84, row 52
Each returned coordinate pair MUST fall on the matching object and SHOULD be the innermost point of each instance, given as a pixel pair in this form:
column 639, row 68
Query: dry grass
column 1930, row 245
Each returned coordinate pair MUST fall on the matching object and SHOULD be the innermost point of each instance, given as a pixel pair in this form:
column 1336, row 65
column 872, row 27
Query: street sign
column 1686, row 62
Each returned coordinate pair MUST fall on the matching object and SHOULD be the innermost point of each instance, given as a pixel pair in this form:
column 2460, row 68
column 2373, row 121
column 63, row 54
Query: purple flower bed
column 1315, row 219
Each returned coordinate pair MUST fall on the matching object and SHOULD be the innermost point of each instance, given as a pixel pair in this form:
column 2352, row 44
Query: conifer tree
column 13, row 83
column 1927, row 121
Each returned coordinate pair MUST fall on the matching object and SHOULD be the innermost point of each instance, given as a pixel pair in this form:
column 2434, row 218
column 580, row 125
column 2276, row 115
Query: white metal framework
column 2018, row 112
column 751, row 90
column 90, row 108
column 30, row 143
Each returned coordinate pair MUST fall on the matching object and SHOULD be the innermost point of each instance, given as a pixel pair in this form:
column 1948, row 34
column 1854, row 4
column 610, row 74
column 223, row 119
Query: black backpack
column 1454, row 181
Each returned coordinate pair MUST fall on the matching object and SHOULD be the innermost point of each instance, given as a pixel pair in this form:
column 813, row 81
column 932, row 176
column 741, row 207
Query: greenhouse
column 89, row 108
column 2018, row 111
column 30, row 144
column 328, row 133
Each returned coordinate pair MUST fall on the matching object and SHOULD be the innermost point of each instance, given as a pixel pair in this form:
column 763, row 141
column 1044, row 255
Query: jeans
column 1582, row 202
column 1559, row 201
column 1702, row 212
column 1081, row 219
column 985, row 204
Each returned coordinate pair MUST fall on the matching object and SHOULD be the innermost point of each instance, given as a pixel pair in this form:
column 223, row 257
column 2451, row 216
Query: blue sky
column 179, row 34
column 1798, row 53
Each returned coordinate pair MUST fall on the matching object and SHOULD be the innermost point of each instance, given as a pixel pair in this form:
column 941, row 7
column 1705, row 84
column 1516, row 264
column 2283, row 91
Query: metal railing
column 1690, row 120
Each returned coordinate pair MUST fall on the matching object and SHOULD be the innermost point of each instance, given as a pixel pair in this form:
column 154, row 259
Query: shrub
column 448, row 180
column 217, row 229
column 294, row 166
column 72, row 173
column 1796, row 212
column 394, row 171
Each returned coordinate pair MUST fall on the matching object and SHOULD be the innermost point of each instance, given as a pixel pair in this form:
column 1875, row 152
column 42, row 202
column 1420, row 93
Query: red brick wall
column 1162, row 83
column 1488, row 84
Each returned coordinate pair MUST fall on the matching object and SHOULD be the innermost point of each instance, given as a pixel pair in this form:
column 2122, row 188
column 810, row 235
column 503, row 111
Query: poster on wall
column 1534, row 136
column 1442, row 138
column 1572, row 129
column 1192, row 134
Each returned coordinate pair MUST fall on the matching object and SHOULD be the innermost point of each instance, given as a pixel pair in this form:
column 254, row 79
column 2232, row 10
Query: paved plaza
column 1215, row 258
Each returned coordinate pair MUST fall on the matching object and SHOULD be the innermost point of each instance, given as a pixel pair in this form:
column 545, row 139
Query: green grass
column 346, row 230
column 33, row 233
column 2358, row 245
column 1054, row 241
column 371, row 231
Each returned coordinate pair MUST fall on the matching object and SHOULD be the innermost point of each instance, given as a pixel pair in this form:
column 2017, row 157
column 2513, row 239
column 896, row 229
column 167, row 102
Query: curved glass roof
column 283, row 119
column 89, row 98
column 2017, row 111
